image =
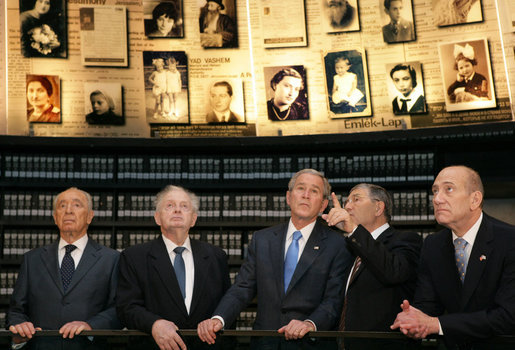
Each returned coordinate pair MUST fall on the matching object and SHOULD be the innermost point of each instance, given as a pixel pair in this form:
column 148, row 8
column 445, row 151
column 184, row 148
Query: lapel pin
column 316, row 247
column 482, row 257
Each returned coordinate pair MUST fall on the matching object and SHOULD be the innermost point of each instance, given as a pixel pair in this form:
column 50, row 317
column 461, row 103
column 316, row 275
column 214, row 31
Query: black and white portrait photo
column 217, row 24
column 43, row 28
column 287, row 95
column 163, row 19
column 398, row 22
column 406, row 87
column 340, row 16
column 225, row 102
column 347, row 83
column 103, row 103
column 467, row 75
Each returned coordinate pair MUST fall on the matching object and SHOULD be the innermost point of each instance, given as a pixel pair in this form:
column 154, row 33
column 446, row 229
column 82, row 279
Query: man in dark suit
column 172, row 282
column 51, row 294
column 465, row 289
column 220, row 97
column 294, row 299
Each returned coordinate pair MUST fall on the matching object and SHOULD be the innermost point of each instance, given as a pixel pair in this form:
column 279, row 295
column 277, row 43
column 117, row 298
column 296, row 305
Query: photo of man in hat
column 217, row 29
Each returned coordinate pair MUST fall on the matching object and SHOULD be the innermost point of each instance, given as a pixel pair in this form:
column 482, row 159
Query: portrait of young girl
column 103, row 103
column 467, row 76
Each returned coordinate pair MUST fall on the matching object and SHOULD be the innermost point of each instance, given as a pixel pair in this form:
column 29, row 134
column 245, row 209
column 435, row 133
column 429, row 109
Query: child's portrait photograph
column 340, row 16
column 406, row 87
column 43, row 98
column 43, row 28
column 397, row 21
column 347, row 86
column 286, row 93
column 163, row 19
column 103, row 103
column 467, row 75
column 452, row 12
column 224, row 101
column 166, row 87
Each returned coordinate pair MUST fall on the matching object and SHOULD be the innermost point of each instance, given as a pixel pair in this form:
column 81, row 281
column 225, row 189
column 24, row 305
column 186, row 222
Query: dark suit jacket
column 418, row 107
column 148, row 289
column 387, row 275
column 315, row 290
column 212, row 118
column 38, row 295
column 405, row 32
column 485, row 304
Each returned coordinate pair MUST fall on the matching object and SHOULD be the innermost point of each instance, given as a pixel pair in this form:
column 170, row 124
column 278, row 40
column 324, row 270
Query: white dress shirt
column 189, row 266
column 76, row 254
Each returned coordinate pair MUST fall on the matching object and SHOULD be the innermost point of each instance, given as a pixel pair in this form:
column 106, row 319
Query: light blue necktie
column 461, row 259
column 67, row 266
column 291, row 259
column 180, row 270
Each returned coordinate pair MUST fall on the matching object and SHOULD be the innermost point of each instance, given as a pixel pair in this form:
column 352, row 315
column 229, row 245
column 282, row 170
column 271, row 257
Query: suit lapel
column 160, row 261
column 449, row 272
column 314, row 247
column 476, row 266
column 89, row 258
column 49, row 260
column 200, row 261
column 276, row 249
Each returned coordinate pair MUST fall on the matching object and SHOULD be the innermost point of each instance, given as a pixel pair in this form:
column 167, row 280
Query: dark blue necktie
column 292, row 255
column 461, row 260
column 67, row 266
column 180, row 269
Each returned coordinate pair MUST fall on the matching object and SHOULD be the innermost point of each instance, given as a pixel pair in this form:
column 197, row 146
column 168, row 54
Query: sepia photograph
column 340, row 16
column 451, row 12
column 166, row 87
column 286, row 93
column 225, row 102
column 347, row 83
column 406, row 87
column 43, row 99
column 398, row 24
column 103, row 103
column 163, row 19
column 217, row 24
column 467, row 75
column 43, row 28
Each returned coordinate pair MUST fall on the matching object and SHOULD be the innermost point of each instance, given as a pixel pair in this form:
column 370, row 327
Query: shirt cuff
column 440, row 330
column 313, row 323
column 17, row 346
column 219, row 318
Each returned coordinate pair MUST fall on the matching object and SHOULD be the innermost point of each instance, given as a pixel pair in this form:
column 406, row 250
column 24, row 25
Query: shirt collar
column 470, row 235
column 222, row 116
column 377, row 232
column 170, row 246
column 80, row 243
column 306, row 230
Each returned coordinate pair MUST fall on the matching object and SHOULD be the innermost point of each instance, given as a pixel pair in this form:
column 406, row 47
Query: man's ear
column 379, row 208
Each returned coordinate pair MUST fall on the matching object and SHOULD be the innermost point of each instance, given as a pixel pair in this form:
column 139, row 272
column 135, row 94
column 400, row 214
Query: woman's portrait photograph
column 43, row 28
column 166, row 87
column 467, row 75
column 224, row 101
column 103, row 103
column 163, row 19
column 43, row 99
column 406, row 87
column 286, row 93
column 451, row 12
column 346, row 77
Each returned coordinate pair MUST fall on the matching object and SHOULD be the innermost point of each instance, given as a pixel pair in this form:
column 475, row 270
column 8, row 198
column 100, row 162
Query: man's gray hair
column 378, row 193
column 193, row 198
column 327, row 186
column 89, row 200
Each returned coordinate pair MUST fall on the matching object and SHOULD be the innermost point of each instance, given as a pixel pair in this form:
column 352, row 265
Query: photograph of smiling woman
column 43, row 100
column 163, row 19
column 43, row 28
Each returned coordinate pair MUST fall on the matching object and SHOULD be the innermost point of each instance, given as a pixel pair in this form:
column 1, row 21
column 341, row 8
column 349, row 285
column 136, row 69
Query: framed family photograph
column 166, row 87
column 452, row 12
column 163, row 19
column 467, row 75
column 43, row 28
column 406, row 88
column 286, row 93
column 225, row 102
column 348, row 93
column 103, row 103
column 340, row 16
column 43, row 98
column 217, row 24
